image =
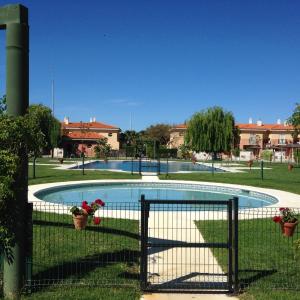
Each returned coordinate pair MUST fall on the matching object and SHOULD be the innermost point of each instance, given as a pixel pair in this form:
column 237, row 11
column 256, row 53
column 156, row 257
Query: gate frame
column 231, row 245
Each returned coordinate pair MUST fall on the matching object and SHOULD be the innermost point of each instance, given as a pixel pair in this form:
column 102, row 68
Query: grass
column 278, row 177
column 266, row 258
column 47, row 174
column 93, row 259
column 61, row 247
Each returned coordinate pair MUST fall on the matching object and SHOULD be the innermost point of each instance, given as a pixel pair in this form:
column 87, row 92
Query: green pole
column 262, row 169
column 14, row 18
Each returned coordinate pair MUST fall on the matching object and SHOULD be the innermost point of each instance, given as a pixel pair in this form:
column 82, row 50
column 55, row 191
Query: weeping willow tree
column 211, row 131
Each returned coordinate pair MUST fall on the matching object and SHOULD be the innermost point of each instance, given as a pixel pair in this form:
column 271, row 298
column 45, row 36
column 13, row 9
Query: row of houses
column 254, row 137
column 83, row 136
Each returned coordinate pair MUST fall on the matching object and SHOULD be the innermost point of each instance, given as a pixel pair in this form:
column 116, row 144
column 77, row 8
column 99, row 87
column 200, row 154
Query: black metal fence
column 109, row 254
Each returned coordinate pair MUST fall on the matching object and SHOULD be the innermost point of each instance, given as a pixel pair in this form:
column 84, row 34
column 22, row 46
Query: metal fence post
column 29, row 246
column 229, row 241
column 144, row 241
column 236, row 244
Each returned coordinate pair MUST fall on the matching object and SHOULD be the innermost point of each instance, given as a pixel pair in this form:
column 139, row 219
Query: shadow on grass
column 89, row 228
column 254, row 275
column 77, row 269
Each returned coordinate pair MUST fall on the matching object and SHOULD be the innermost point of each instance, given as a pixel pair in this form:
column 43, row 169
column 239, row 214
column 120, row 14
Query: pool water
column 148, row 166
column 131, row 193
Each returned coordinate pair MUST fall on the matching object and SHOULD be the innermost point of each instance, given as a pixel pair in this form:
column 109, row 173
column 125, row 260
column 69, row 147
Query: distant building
column 83, row 136
column 253, row 137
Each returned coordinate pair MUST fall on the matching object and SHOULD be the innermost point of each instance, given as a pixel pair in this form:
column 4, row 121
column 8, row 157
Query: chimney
column 91, row 120
column 66, row 120
column 250, row 121
column 94, row 119
column 259, row 123
column 278, row 122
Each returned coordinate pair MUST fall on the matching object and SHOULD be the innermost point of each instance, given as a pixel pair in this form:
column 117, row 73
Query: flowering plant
column 88, row 210
column 286, row 216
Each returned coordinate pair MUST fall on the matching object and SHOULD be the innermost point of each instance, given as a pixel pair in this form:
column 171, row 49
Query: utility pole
column 14, row 19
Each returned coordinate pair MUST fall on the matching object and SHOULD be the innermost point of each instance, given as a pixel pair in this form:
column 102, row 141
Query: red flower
column 84, row 204
column 282, row 208
column 88, row 209
column 277, row 219
column 97, row 220
column 99, row 202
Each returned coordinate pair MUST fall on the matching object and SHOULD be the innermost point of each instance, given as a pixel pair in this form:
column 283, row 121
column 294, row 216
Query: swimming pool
column 131, row 193
column 148, row 166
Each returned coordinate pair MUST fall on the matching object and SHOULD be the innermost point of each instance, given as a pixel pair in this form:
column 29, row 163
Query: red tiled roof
column 179, row 126
column 84, row 135
column 265, row 127
column 88, row 125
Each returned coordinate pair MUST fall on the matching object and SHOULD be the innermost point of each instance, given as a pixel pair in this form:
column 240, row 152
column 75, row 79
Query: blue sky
column 161, row 61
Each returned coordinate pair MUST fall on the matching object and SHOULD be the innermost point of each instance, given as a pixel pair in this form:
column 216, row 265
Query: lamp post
column 14, row 19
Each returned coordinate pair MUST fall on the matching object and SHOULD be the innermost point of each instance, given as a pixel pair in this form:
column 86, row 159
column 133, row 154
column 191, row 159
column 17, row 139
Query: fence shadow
column 107, row 230
column 80, row 267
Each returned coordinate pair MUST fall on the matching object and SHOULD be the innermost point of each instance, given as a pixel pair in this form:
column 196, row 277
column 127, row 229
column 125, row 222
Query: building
column 253, row 137
column 177, row 136
column 83, row 136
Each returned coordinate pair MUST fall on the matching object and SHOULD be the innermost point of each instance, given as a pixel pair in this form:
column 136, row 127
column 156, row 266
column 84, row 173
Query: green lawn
column 60, row 247
column 267, row 261
column 99, row 256
column 45, row 174
column 277, row 178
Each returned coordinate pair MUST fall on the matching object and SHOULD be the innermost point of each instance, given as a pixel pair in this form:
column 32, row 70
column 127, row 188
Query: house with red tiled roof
column 83, row 136
column 177, row 135
column 253, row 137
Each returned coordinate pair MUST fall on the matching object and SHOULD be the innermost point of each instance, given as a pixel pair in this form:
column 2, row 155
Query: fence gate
column 184, row 247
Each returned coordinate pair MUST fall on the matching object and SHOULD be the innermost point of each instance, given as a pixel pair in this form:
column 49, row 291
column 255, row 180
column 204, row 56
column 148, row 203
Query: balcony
column 282, row 141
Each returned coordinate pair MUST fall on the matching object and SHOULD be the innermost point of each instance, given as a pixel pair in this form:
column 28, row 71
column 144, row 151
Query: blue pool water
column 131, row 193
column 148, row 166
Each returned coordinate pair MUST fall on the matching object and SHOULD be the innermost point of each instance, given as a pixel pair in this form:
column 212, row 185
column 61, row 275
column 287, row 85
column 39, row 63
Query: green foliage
column 14, row 135
column 129, row 138
column 158, row 132
column 184, row 151
column 295, row 121
column 102, row 149
column 267, row 155
column 211, row 131
column 236, row 152
column 42, row 117
column 170, row 153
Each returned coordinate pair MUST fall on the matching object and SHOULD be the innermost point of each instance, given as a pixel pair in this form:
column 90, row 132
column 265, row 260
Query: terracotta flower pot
column 80, row 221
column 289, row 228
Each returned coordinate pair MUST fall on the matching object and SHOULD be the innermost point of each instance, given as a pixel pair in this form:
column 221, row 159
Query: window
column 110, row 134
column 89, row 145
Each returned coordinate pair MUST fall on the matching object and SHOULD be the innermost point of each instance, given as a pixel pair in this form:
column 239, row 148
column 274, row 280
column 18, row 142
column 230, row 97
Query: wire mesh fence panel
column 104, row 254
column 178, row 257
column 267, row 257
column 187, row 248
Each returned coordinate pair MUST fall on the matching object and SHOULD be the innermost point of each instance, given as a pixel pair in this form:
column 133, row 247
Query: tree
column 102, row 149
column 129, row 137
column 159, row 132
column 42, row 116
column 295, row 121
column 36, row 140
column 3, row 105
column 211, row 131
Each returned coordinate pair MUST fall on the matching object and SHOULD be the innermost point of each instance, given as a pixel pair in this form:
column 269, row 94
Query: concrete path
column 150, row 177
column 180, row 265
